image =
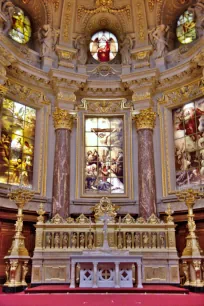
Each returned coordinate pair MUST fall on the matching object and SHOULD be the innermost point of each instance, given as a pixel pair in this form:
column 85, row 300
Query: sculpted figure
column 90, row 240
column 129, row 240
column 57, row 240
column 198, row 12
column 8, row 9
column 74, row 240
column 64, row 240
column 137, row 240
column 154, row 240
column 48, row 240
column 162, row 240
column 48, row 39
column 82, row 47
column 82, row 240
column 120, row 240
column 145, row 239
column 126, row 47
column 158, row 38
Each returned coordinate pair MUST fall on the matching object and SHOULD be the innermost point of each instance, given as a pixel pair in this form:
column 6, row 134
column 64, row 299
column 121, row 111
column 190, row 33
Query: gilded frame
column 170, row 100
column 127, row 123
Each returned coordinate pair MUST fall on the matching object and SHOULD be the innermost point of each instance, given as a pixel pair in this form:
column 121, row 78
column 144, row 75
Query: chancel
column 102, row 146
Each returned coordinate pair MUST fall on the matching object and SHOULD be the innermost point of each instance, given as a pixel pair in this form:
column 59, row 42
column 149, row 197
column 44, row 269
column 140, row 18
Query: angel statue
column 125, row 49
column 198, row 13
column 82, row 47
column 158, row 38
column 48, row 39
column 8, row 9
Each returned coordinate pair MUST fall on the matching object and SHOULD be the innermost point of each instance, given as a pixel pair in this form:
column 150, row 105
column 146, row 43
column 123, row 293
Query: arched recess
column 168, row 14
column 39, row 12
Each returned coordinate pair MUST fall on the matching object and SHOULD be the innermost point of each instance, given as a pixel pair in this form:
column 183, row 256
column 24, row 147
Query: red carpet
column 146, row 289
column 21, row 299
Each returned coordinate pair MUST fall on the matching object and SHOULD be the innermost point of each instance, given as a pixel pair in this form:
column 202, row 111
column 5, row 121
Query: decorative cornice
column 145, row 119
column 180, row 95
column 105, row 105
column 62, row 119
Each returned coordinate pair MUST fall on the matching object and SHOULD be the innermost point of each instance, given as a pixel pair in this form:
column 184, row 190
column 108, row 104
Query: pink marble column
column 63, row 122
column 145, row 122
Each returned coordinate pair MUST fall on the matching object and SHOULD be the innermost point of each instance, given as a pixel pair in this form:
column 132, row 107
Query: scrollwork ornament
column 62, row 119
column 145, row 119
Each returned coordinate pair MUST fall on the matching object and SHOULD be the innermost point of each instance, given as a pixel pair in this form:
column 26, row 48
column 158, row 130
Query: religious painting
column 21, row 27
column 17, row 143
column 186, row 31
column 189, row 144
column 104, row 46
column 104, row 171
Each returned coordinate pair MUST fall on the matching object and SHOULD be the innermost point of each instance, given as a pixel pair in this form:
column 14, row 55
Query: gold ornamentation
column 169, row 212
column 3, row 90
column 143, row 96
column 103, row 6
column 153, row 219
column 140, row 20
column 189, row 196
column 128, row 219
column 140, row 220
column 104, row 70
column 62, row 119
column 105, row 206
column 105, row 105
column 24, row 272
column 56, row 4
column 57, row 219
column 82, row 219
column 182, row 94
column 151, row 4
column 145, row 119
column 41, row 212
column 70, row 220
column 67, row 22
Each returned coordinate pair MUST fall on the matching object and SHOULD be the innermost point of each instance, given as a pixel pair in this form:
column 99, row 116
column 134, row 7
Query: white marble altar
column 114, row 277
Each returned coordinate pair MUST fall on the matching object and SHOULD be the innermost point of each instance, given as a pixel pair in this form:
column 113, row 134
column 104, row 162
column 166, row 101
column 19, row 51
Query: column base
column 7, row 289
column 139, row 286
column 72, row 286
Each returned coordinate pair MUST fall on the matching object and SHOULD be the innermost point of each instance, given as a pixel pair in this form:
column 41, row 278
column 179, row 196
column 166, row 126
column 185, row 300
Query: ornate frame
column 171, row 99
column 111, row 111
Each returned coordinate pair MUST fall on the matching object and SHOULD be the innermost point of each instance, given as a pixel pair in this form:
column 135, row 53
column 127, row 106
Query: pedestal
column 126, row 69
column 46, row 63
column 160, row 63
column 82, row 69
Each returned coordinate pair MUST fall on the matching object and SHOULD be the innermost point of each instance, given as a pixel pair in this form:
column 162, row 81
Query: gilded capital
column 145, row 119
column 62, row 119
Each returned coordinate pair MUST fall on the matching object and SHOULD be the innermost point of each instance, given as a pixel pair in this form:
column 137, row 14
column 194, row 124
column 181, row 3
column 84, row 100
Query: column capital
column 62, row 119
column 145, row 119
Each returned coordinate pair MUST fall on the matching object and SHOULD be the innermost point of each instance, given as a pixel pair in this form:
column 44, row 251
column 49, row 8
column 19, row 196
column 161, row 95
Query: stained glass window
column 104, row 171
column 17, row 143
column 21, row 28
column 103, row 46
column 189, row 144
column 186, row 31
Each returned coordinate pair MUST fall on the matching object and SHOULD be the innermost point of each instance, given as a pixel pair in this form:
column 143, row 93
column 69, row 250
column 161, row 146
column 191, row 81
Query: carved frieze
column 105, row 105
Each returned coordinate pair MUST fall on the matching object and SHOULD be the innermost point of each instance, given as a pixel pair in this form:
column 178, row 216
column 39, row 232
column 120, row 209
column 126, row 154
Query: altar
column 107, row 270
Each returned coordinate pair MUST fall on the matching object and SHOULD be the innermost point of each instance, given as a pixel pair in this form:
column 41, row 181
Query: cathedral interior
column 102, row 142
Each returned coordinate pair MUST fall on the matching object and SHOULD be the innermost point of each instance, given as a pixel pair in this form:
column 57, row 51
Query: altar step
column 146, row 289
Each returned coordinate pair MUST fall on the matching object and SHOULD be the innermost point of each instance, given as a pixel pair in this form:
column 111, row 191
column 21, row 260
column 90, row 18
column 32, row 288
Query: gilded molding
column 3, row 90
column 67, row 21
column 62, row 119
column 145, row 119
column 182, row 94
column 104, row 105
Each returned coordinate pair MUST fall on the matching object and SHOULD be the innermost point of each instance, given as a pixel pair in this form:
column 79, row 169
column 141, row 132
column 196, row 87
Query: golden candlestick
column 189, row 196
column 18, row 257
column 21, row 197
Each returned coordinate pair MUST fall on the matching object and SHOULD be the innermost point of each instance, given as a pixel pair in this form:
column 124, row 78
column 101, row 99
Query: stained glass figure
column 186, row 30
column 17, row 143
column 21, row 28
column 189, row 144
column 104, row 46
column 104, row 155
